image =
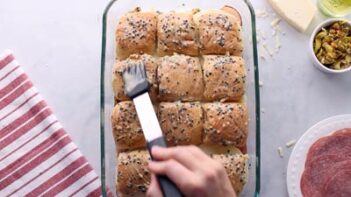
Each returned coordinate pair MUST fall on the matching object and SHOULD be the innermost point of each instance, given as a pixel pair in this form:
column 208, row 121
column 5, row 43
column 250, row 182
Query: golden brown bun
column 150, row 67
column 180, row 78
column 225, row 123
column 181, row 123
column 136, row 34
column 126, row 127
column 219, row 32
column 211, row 149
column 176, row 34
column 236, row 166
column 224, row 78
column 133, row 177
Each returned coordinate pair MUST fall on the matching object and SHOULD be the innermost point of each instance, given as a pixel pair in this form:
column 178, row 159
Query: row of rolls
column 133, row 176
column 187, row 32
column 185, row 78
column 184, row 123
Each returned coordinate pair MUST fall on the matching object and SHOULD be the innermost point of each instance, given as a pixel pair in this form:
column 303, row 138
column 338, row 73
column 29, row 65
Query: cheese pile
column 298, row 13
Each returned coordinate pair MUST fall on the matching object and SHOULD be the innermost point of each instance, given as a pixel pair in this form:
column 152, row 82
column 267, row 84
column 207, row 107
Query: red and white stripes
column 37, row 157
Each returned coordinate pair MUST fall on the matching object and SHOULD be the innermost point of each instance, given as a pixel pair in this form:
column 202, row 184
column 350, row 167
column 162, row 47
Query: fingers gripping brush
column 136, row 87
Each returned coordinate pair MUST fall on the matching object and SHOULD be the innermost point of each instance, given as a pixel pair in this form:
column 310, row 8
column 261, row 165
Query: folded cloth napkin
column 37, row 157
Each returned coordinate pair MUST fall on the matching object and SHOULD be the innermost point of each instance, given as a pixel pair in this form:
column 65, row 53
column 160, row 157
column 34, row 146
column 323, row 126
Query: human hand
column 195, row 173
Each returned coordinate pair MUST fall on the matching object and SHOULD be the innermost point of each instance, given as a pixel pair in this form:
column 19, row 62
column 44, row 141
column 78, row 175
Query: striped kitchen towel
column 37, row 157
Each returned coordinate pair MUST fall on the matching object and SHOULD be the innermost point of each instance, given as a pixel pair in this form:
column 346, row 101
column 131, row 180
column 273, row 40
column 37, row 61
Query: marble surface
column 59, row 42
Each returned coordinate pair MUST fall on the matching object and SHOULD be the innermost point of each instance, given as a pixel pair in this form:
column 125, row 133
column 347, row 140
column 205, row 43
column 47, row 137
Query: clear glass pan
column 112, row 13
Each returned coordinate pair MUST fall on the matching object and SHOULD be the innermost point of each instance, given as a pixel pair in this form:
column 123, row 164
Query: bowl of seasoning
column 330, row 46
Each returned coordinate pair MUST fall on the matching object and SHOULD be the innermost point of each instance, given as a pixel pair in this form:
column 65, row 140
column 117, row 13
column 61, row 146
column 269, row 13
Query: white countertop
column 59, row 42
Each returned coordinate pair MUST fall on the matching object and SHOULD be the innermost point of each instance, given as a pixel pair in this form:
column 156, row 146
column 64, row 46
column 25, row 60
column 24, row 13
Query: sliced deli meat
column 315, row 173
column 328, row 166
column 343, row 132
column 325, row 161
column 334, row 144
column 339, row 185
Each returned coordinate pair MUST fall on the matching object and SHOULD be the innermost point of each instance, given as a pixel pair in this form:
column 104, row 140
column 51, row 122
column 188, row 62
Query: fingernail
column 156, row 149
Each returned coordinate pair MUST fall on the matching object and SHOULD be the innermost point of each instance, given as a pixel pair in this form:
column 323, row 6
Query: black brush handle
column 168, row 188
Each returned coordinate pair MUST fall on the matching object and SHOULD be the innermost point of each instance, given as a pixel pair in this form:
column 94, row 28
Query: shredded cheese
column 269, row 45
column 260, row 83
column 278, row 44
column 261, row 13
column 262, row 34
column 262, row 53
column 269, row 50
column 275, row 22
column 280, row 151
column 290, row 143
column 274, row 32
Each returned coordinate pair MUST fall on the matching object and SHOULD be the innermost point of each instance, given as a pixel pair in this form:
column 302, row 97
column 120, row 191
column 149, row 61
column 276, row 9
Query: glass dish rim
column 102, row 97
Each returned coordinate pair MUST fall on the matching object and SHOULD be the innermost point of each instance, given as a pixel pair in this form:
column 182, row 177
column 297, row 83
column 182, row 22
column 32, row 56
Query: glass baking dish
column 112, row 13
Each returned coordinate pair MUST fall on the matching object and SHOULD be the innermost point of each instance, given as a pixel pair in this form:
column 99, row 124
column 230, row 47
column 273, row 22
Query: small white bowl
column 316, row 62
